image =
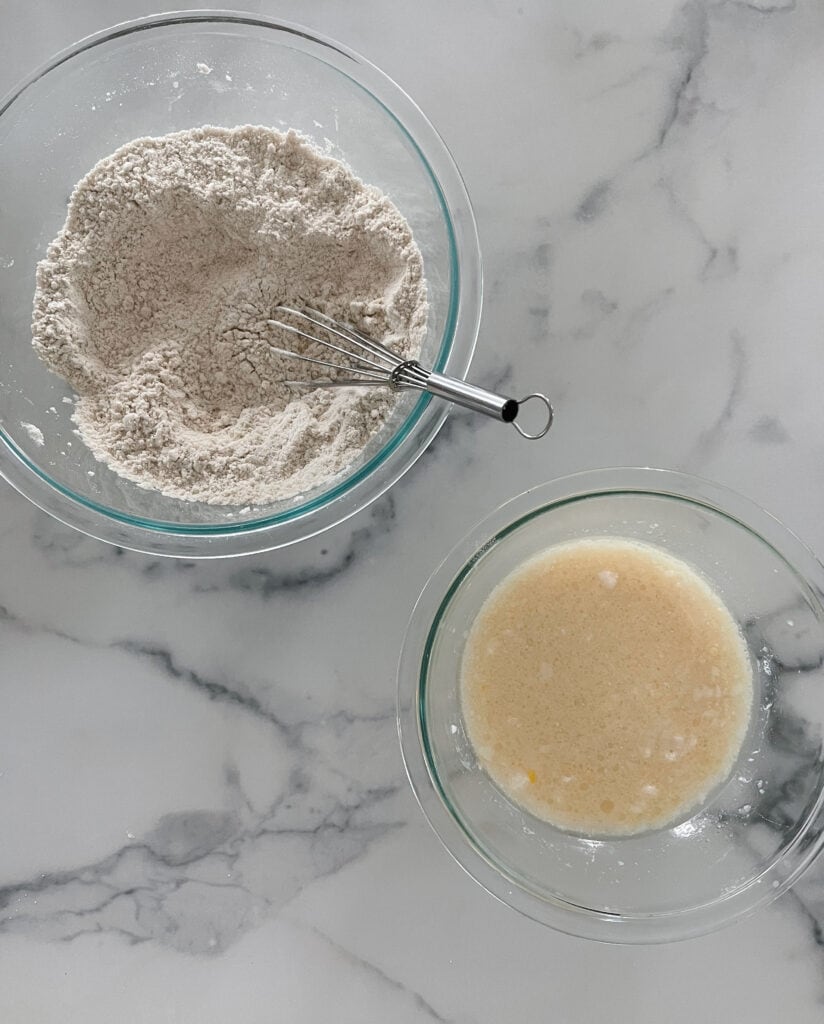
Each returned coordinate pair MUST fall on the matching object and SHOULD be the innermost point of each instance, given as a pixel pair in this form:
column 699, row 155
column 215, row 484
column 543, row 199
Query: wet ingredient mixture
column 152, row 303
column 605, row 687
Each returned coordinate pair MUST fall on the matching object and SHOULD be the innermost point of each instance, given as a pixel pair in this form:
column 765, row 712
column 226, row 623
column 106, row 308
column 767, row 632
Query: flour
column 152, row 303
column 34, row 432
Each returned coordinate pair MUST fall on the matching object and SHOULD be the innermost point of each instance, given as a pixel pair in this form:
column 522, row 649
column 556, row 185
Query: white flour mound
column 152, row 303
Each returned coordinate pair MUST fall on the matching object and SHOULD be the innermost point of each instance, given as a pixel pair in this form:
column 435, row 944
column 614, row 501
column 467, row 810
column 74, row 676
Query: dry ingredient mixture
column 152, row 303
column 605, row 687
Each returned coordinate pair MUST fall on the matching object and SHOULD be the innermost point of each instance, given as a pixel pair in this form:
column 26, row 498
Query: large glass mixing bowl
column 178, row 71
column 753, row 836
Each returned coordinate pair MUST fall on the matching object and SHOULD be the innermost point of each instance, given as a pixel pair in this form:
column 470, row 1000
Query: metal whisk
column 372, row 364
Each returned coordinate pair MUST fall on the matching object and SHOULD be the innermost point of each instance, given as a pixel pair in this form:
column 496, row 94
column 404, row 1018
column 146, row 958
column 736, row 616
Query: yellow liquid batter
column 605, row 687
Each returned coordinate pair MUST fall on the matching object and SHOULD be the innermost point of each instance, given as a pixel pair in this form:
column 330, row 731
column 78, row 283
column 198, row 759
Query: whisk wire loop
column 372, row 364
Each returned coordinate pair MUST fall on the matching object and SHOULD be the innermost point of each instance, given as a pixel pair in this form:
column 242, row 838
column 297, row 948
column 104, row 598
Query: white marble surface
column 204, row 813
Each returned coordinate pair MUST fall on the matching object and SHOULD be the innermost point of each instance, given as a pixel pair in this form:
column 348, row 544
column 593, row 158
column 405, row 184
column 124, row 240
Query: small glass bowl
column 168, row 73
column 755, row 834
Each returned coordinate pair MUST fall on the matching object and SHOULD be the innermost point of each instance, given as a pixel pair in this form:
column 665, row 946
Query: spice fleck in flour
column 152, row 303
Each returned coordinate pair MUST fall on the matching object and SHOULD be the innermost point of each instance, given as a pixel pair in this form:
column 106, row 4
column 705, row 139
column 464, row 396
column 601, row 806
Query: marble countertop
column 205, row 815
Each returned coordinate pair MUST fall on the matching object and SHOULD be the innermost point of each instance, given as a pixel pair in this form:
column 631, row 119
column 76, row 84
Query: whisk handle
column 472, row 397
column 489, row 403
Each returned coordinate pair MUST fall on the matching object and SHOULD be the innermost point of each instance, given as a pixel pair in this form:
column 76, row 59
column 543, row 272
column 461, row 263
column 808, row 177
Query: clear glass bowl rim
column 425, row 419
column 569, row 917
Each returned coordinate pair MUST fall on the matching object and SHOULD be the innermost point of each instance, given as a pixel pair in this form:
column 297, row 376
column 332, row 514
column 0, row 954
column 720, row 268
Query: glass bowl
column 755, row 834
column 177, row 71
